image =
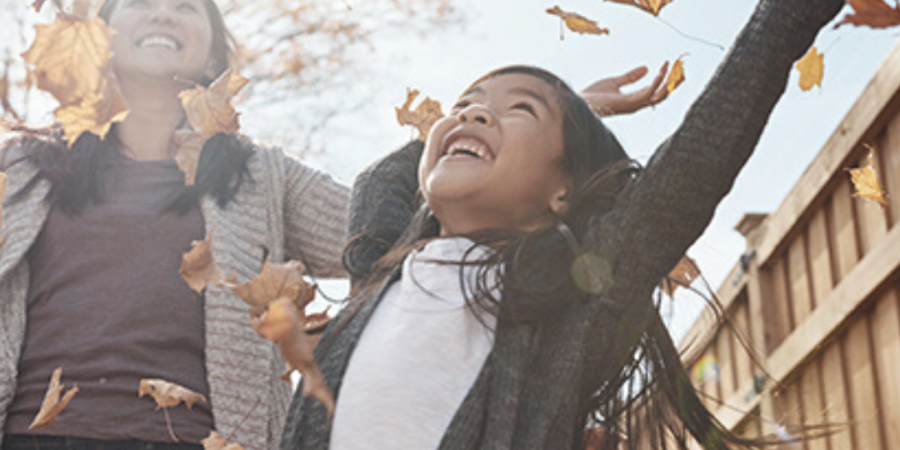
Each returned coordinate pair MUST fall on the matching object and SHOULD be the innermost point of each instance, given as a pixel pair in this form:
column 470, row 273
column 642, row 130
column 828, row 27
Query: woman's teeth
column 162, row 41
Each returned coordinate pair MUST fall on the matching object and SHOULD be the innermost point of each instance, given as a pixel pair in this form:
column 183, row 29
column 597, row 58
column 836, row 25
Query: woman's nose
column 475, row 114
column 163, row 15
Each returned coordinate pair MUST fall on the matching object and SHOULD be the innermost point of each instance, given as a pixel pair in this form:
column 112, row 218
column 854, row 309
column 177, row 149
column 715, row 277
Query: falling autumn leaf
column 198, row 268
column 274, row 282
column 282, row 324
column 872, row 13
column 53, row 404
column 426, row 114
column 317, row 321
column 94, row 114
column 682, row 275
column 865, row 180
column 167, row 394
column 190, row 144
column 676, row 75
column 811, row 67
column 577, row 22
column 209, row 110
column 650, row 6
column 217, row 442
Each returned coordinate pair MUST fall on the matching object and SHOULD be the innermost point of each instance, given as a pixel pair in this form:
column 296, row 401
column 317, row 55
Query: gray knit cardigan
column 286, row 211
column 534, row 389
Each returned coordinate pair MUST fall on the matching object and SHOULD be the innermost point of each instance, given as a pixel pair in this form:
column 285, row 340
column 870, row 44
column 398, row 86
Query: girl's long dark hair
column 76, row 174
column 542, row 272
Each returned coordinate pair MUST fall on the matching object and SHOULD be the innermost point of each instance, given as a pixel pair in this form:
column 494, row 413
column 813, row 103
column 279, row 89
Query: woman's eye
column 525, row 107
column 187, row 6
column 138, row 3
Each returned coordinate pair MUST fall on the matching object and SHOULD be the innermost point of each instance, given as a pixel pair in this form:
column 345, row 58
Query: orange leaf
column 190, row 144
column 682, row 275
column 426, row 114
column 577, row 22
column 198, row 268
column 168, row 394
column 872, row 13
column 676, row 75
column 53, row 404
column 94, row 114
column 650, row 6
column 209, row 109
column 811, row 67
column 217, row 442
column 865, row 180
column 316, row 321
column 274, row 282
column 281, row 323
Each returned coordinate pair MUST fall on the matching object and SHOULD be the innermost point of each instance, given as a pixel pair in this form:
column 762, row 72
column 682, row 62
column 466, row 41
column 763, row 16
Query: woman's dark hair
column 543, row 272
column 76, row 173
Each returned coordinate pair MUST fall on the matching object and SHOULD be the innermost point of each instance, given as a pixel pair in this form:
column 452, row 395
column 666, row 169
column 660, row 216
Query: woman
column 565, row 260
column 94, row 237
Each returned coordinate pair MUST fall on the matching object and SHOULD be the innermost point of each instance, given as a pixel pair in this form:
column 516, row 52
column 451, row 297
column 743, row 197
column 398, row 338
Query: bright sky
column 500, row 32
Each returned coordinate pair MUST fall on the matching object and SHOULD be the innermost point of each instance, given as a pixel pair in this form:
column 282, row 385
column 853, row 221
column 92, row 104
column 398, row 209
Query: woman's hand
column 606, row 98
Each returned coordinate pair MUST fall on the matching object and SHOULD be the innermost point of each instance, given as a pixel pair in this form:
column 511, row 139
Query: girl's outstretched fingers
column 606, row 98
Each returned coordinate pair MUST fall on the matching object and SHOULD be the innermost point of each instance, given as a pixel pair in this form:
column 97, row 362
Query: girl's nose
column 163, row 16
column 475, row 114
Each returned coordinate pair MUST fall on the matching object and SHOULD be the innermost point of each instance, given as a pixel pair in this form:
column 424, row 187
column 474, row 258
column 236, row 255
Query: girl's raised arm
column 674, row 198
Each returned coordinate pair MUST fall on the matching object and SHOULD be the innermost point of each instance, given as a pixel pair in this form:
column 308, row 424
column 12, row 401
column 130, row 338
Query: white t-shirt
column 417, row 358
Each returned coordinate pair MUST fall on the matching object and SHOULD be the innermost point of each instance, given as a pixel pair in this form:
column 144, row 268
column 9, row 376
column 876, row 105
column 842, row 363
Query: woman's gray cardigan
column 531, row 393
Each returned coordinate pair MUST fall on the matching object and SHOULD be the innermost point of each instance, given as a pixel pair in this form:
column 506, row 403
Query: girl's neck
column 155, row 114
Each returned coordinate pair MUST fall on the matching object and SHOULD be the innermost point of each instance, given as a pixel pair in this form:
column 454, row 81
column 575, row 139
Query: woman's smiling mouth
column 159, row 40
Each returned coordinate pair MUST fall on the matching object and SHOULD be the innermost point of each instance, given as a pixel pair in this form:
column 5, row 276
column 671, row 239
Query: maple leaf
column 684, row 273
column 577, row 22
column 426, row 114
column 94, row 114
column 650, row 6
column 811, row 67
column 190, row 144
column 198, row 268
column 865, row 180
column 53, row 404
column 274, row 282
column 217, row 442
column 168, row 394
column 282, row 324
column 209, row 110
column 676, row 76
column 871, row 13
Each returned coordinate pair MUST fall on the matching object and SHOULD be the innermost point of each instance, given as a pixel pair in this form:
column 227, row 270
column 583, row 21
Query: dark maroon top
column 107, row 303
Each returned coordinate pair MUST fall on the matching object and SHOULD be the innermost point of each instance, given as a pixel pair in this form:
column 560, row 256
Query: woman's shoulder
column 16, row 144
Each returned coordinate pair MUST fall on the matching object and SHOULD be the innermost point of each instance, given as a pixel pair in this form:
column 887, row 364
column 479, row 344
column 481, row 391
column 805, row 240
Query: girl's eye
column 525, row 107
column 187, row 6
column 138, row 3
column 460, row 105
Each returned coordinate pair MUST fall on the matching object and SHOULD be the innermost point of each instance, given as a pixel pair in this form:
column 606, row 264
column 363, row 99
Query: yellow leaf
column 94, row 114
column 811, row 67
column 577, row 22
column 865, row 180
column 274, row 282
column 168, row 394
column 209, row 109
column 650, row 6
column 217, row 442
column 676, row 76
column 190, row 144
column 198, row 268
column 53, row 404
column 426, row 114
column 682, row 275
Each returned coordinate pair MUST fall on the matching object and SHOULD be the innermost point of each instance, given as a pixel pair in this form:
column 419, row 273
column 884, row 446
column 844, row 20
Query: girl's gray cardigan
column 533, row 391
column 286, row 211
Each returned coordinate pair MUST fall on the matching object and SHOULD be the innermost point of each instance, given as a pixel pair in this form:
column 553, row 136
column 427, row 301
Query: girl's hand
column 606, row 98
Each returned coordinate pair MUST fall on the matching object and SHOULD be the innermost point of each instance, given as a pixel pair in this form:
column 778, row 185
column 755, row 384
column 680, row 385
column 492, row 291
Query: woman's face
column 495, row 162
column 161, row 39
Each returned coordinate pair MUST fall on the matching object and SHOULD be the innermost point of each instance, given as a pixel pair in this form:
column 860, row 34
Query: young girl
column 511, row 311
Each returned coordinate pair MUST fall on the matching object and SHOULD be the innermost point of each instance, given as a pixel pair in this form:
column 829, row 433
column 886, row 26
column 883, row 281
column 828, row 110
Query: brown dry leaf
column 282, row 324
column 317, row 320
column 53, row 404
column 274, row 282
column 577, row 22
column 650, row 6
column 198, row 268
column 94, row 114
column 37, row 5
column 681, row 276
column 217, row 442
column 676, row 75
column 426, row 114
column 865, row 180
column 811, row 67
column 190, row 144
column 209, row 109
column 168, row 394
column 872, row 13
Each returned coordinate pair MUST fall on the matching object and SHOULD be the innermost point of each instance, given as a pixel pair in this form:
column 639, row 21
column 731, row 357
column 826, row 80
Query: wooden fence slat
column 836, row 407
column 789, row 410
column 820, row 257
column 801, row 300
column 844, row 230
column 726, row 363
column 886, row 342
column 890, row 158
column 777, row 311
column 861, row 380
column 813, row 404
column 871, row 219
column 743, row 366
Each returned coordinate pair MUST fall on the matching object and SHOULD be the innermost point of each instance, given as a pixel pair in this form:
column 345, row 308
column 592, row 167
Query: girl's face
column 161, row 39
column 495, row 162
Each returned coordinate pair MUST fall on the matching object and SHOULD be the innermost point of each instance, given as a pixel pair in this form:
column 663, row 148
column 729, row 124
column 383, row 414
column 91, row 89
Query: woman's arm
column 674, row 198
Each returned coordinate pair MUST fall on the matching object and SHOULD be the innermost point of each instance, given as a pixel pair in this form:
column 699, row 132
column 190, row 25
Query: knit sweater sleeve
column 315, row 219
column 673, row 200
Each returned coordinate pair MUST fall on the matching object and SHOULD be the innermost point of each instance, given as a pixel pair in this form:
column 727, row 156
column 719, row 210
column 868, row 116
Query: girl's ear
column 559, row 203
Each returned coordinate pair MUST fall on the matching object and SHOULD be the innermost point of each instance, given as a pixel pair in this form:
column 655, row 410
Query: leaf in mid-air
column 676, row 76
column 865, row 180
column 209, row 110
column 425, row 115
column 217, row 442
column 577, row 22
column 53, row 404
column 811, row 67
column 274, row 282
column 198, row 268
column 650, row 6
column 872, row 13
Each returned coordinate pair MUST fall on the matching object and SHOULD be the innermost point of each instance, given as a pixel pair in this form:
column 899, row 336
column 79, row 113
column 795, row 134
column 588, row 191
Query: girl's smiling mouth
column 464, row 146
